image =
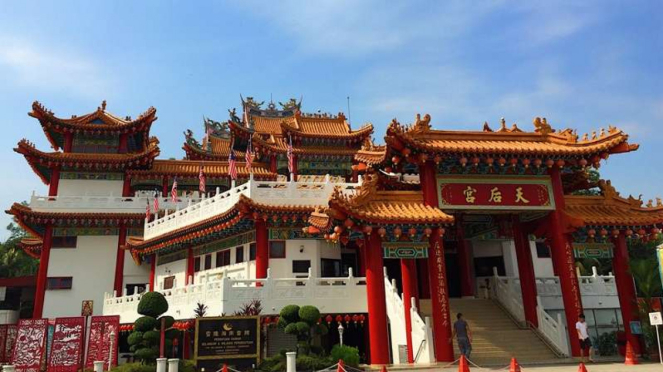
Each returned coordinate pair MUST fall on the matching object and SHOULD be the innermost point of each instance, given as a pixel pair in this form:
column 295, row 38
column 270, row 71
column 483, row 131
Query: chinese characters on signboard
column 231, row 340
column 504, row 193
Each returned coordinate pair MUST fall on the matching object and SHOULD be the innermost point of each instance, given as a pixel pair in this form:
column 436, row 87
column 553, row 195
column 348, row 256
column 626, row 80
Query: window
column 63, row 242
column 59, row 282
column 239, row 254
column 208, row 262
column 301, row 266
column 542, row 250
column 135, row 288
column 223, row 258
column 196, row 264
column 252, row 252
column 277, row 249
column 169, row 282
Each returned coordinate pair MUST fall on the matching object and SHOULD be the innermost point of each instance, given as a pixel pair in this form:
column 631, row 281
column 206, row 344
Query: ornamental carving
column 542, row 126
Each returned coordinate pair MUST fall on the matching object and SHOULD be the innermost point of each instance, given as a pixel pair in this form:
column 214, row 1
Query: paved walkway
column 597, row 367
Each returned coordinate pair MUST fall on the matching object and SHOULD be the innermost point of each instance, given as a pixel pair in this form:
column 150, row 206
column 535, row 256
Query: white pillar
column 173, row 365
column 99, row 366
column 8, row 368
column 161, row 364
column 291, row 361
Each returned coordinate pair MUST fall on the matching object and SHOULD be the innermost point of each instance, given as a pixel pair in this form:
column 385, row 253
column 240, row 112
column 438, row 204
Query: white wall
column 135, row 274
column 175, row 268
column 92, row 268
column 295, row 250
column 486, row 248
column 510, row 259
column 68, row 187
column 542, row 266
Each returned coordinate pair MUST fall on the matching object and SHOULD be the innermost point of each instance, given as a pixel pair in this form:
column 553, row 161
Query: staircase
column 495, row 336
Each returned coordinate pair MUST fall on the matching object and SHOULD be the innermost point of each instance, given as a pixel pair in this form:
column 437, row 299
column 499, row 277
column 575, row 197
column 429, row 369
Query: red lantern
column 397, row 232
column 514, row 162
column 629, row 232
column 442, row 231
column 501, row 161
column 591, row 233
column 550, row 163
column 406, row 152
column 526, row 163
column 560, row 163
column 382, row 232
column 339, row 318
column 437, row 159
column 368, row 229
column 615, row 233
column 476, row 160
column 490, row 161
column 428, row 231
column 583, row 162
column 423, row 158
column 603, row 232
column 412, row 231
column 338, row 229
column 537, row 162
column 329, row 319
column 347, row 319
column 348, row 223
column 642, row 232
column 355, row 318
column 362, row 318
column 463, row 161
column 344, row 239
column 395, row 159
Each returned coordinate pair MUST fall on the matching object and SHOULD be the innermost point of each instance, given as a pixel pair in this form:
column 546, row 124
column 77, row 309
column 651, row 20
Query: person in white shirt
column 583, row 336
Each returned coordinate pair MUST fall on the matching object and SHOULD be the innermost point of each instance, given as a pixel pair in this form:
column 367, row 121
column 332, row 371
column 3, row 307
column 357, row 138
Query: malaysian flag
column 156, row 204
column 173, row 191
column 201, row 180
column 291, row 157
column 232, row 163
column 148, row 212
column 249, row 158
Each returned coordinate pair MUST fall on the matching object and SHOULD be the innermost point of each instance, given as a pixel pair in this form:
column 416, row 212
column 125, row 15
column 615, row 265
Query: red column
column 186, row 348
column 42, row 273
column 190, row 267
column 375, row 296
column 422, row 274
column 525, row 271
column 164, row 190
column 68, row 141
column 124, row 143
column 361, row 263
column 126, row 186
column 119, row 261
column 273, row 167
column 562, row 257
column 355, row 175
column 295, row 158
column 409, row 279
column 54, row 182
column 262, row 249
column 153, row 277
column 439, row 294
column 625, row 289
column 466, row 279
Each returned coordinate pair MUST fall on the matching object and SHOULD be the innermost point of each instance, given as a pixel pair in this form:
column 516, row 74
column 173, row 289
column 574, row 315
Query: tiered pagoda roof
column 612, row 210
column 42, row 162
column 191, row 169
column 546, row 143
column 99, row 122
column 31, row 246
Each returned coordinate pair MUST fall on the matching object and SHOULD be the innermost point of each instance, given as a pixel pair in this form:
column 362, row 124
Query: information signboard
column 234, row 341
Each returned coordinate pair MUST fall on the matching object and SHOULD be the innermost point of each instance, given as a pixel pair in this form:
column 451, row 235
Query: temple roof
column 371, row 154
column 543, row 141
column 279, row 144
column 34, row 221
column 31, row 246
column 611, row 209
column 191, row 169
column 42, row 162
column 385, row 207
column 97, row 122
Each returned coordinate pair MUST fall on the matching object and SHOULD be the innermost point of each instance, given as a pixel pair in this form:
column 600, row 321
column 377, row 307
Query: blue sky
column 583, row 66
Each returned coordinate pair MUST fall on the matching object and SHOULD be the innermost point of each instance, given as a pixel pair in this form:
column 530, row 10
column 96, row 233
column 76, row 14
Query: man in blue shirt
column 463, row 335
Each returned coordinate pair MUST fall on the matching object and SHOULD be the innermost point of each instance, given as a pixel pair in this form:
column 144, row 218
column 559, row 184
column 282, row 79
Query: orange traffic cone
column 384, row 368
column 514, row 366
column 581, row 367
column 631, row 358
column 463, row 366
column 225, row 368
column 341, row 366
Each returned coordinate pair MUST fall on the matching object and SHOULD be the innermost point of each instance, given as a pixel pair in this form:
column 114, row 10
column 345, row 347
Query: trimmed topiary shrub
column 152, row 304
column 349, row 354
column 146, row 336
column 145, row 323
column 302, row 323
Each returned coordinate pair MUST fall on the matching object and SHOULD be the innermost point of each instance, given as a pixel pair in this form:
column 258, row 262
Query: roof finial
column 103, row 105
column 503, row 124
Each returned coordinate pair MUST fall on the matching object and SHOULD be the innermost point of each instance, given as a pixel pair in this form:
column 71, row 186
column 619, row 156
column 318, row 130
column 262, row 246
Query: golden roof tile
column 191, row 168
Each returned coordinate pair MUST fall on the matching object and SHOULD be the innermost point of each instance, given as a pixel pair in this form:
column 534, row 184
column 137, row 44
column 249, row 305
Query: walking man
column 463, row 335
column 583, row 336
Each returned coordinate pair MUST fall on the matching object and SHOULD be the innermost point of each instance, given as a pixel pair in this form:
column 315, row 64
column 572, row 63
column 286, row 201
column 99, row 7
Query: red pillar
column 439, row 294
column 68, row 142
column 124, row 143
column 466, row 279
column 153, row 277
column 525, row 271
column 409, row 279
column 186, row 348
column 562, row 257
column 273, row 167
column 54, row 182
column 422, row 274
column 262, row 249
column 190, row 267
column 375, row 296
column 361, row 263
column 126, row 186
column 42, row 273
column 355, row 175
column 625, row 289
column 164, row 190
column 295, row 158
column 119, row 261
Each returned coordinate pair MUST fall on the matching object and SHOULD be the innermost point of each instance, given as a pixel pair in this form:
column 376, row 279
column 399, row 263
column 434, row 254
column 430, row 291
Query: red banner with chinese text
column 505, row 193
column 67, row 346
column 104, row 331
column 30, row 345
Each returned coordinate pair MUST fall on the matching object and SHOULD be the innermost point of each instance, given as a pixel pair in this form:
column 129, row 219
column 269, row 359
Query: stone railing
column 266, row 192
column 226, row 296
column 104, row 203
column 552, row 329
column 508, row 296
column 422, row 334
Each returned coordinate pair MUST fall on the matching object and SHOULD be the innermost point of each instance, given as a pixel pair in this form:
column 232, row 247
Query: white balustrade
column 552, row 329
column 421, row 330
column 509, row 296
column 104, row 203
column 226, row 296
column 267, row 192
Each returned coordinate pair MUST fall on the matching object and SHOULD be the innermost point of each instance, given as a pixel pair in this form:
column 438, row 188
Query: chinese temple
column 388, row 241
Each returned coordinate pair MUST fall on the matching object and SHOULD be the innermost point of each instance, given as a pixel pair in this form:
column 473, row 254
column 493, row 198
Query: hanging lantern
column 642, row 232
column 437, row 159
column 344, row 239
column 514, row 162
column 412, row 231
column 368, row 229
column 406, row 152
column 603, row 232
column 560, row 163
column 338, row 229
column 395, row 159
column 355, row 318
column 442, row 231
column 490, row 161
column 348, row 223
column 423, row 157
column 537, row 162
column 397, row 232
column 526, row 163
column 615, row 233
column 347, row 319
column 339, row 318
column 583, row 162
column 475, row 161
column 591, row 233
column 428, row 231
column 550, row 163
column 362, row 318
column 382, row 232
column 501, row 161
column 329, row 319
column 463, row 161
column 655, row 230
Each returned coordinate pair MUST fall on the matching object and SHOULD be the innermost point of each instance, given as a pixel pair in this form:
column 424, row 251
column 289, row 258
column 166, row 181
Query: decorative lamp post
column 110, row 351
column 340, row 333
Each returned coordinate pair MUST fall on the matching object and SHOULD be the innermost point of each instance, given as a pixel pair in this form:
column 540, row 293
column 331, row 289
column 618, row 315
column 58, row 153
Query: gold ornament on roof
column 542, row 126
column 421, row 125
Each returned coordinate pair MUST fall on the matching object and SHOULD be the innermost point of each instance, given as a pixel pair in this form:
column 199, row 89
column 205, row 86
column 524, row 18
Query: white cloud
column 32, row 66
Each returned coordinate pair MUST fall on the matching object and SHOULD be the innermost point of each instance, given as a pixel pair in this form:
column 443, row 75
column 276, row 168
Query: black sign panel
column 232, row 340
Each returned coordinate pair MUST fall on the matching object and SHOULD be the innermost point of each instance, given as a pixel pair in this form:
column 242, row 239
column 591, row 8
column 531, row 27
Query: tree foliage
column 13, row 260
column 144, row 340
column 302, row 322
